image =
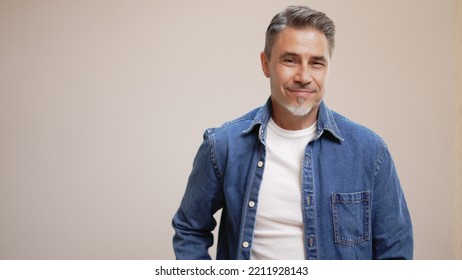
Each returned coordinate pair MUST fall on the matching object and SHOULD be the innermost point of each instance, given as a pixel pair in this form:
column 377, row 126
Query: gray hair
column 299, row 17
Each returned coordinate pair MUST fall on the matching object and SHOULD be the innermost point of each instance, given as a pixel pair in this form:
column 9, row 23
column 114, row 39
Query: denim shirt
column 353, row 204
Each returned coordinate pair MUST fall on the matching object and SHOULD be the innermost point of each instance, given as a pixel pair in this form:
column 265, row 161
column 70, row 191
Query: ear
column 264, row 64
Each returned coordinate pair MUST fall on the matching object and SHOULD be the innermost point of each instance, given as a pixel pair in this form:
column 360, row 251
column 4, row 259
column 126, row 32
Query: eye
column 289, row 61
column 318, row 64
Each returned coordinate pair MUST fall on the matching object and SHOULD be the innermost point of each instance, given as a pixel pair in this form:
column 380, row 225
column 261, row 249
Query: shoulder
column 231, row 138
column 233, row 128
column 366, row 146
column 357, row 134
column 352, row 129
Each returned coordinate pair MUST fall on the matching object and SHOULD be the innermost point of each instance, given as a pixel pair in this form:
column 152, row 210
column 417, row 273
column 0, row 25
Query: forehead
column 301, row 41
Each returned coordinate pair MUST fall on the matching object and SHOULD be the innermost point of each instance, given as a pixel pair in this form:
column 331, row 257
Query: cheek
column 320, row 79
column 285, row 75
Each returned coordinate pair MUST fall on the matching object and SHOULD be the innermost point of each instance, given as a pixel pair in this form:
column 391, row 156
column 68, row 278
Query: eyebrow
column 316, row 57
column 289, row 54
column 319, row 58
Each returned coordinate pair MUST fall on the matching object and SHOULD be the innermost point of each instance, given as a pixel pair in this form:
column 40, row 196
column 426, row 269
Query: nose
column 303, row 75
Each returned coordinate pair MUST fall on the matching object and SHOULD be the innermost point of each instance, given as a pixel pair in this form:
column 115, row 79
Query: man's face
column 298, row 70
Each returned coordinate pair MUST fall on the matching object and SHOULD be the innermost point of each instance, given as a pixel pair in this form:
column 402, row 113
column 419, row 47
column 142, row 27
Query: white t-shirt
column 279, row 227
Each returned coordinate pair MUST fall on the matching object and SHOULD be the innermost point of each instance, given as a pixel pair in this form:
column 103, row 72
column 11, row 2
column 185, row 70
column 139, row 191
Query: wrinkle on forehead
column 302, row 42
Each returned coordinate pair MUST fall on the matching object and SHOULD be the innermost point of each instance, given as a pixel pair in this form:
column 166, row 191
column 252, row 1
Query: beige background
column 103, row 105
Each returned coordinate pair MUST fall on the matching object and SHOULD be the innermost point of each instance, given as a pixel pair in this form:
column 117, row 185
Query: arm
column 193, row 222
column 391, row 222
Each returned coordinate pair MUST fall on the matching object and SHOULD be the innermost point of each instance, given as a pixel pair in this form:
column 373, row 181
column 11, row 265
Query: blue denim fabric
column 353, row 204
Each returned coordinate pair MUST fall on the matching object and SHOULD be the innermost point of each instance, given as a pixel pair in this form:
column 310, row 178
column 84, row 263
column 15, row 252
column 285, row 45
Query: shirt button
column 251, row 204
column 245, row 244
column 260, row 164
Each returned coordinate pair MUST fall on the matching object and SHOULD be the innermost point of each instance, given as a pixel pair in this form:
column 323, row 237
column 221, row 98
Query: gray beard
column 300, row 109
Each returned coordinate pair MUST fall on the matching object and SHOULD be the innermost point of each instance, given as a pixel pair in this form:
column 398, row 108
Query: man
column 294, row 179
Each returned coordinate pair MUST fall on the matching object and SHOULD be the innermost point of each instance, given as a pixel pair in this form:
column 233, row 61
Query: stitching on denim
column 213, row 157
column 310, row 252
column 364, row 223
column 378, row 162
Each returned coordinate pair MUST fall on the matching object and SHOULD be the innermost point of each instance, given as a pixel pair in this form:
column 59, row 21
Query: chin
column 300, row 110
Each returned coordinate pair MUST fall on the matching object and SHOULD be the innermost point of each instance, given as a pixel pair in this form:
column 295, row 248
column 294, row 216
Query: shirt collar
column 326, row 121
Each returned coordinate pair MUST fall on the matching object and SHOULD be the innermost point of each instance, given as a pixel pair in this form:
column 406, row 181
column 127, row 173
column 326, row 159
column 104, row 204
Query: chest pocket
column 351, row 217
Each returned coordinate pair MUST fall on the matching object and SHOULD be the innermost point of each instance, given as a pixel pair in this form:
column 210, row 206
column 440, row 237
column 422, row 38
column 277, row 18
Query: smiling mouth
column 300, row 93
